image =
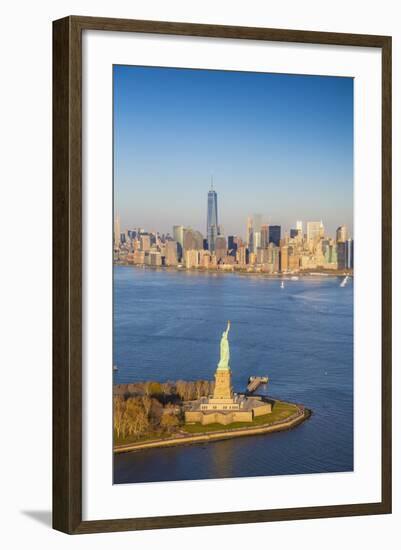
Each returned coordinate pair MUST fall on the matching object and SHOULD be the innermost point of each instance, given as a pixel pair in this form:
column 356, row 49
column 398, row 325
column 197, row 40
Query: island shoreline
column 287, row 424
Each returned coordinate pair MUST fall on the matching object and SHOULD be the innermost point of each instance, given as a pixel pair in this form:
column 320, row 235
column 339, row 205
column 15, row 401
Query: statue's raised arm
column 228, row 327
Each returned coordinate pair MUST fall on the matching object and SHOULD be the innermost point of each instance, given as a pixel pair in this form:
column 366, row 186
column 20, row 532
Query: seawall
column 183, row 439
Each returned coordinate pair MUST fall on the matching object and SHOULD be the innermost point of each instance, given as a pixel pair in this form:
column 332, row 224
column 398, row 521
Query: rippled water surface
column 167, row 325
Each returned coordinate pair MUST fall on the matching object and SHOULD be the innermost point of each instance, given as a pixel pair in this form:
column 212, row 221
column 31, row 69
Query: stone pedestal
column 222, row 388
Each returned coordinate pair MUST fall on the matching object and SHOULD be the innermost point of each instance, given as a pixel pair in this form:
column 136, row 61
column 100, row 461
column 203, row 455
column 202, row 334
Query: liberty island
column 205, row 417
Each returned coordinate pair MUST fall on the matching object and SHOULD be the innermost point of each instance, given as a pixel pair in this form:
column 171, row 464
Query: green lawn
column 281, row 411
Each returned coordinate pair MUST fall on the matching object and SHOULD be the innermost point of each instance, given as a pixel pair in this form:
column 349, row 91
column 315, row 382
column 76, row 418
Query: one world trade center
column 212, row 229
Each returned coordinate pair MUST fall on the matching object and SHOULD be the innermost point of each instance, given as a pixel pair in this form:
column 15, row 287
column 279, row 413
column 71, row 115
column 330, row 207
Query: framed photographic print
column 222, row 274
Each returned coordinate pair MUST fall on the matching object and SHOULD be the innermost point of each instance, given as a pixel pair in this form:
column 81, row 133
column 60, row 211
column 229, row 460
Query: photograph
column 233, row 274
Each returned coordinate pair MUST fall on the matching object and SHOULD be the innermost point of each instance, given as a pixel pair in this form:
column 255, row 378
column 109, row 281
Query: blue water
column 167, row 326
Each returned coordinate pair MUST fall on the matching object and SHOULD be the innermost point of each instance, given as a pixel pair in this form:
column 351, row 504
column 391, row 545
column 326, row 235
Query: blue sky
column 278, row 145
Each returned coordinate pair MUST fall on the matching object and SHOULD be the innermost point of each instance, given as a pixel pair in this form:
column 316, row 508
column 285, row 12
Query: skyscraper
column 264, row 236
column 221, row 247
column 145, row 242
column 171, row 253
column 342, row 234
column 242, row 255
column 256, row 240
column 257, row 223
column 275, row 234
column 313, row 232
column 284, row 252
column 198, row 238
column 350, row 254
column 178, row 234
column 232, row 244
column 342, row 255
column 191, row 258
column 212, row 227
column 193, row 240
column 249, row 233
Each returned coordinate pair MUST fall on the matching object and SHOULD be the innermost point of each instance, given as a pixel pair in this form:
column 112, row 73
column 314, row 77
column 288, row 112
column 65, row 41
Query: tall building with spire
column 212, row 224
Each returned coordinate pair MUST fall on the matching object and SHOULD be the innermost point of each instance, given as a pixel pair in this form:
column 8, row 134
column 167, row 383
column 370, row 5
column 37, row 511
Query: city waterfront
column 167, row 327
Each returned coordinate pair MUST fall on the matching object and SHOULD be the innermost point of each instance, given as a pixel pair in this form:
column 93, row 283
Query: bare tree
column 169, row 422
column 137, row 420
column 199, row 386
column 181, row 387
column 119, row 414
column 147, row 404
column 147, row 387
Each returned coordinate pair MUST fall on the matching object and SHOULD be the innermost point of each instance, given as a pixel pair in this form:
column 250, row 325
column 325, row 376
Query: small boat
column 294, row 278
column 115, row 367
column 282, row 284
column 344, row 281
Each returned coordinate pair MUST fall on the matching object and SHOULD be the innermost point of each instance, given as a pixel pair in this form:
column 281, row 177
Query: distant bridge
column 255, row 381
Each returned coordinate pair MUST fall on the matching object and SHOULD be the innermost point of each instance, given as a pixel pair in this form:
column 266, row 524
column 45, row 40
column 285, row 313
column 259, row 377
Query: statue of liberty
column 224, row 350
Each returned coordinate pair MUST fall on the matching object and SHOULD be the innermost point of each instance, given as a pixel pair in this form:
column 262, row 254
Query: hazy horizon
column 277, row 145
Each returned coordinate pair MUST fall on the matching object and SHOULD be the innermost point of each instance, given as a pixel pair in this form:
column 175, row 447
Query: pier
column 255, row 381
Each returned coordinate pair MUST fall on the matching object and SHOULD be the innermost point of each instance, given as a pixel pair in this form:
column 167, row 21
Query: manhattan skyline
column 278, row 145
column 264, row 250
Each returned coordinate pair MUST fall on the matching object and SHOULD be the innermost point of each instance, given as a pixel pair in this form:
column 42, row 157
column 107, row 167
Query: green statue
column 224, row 350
